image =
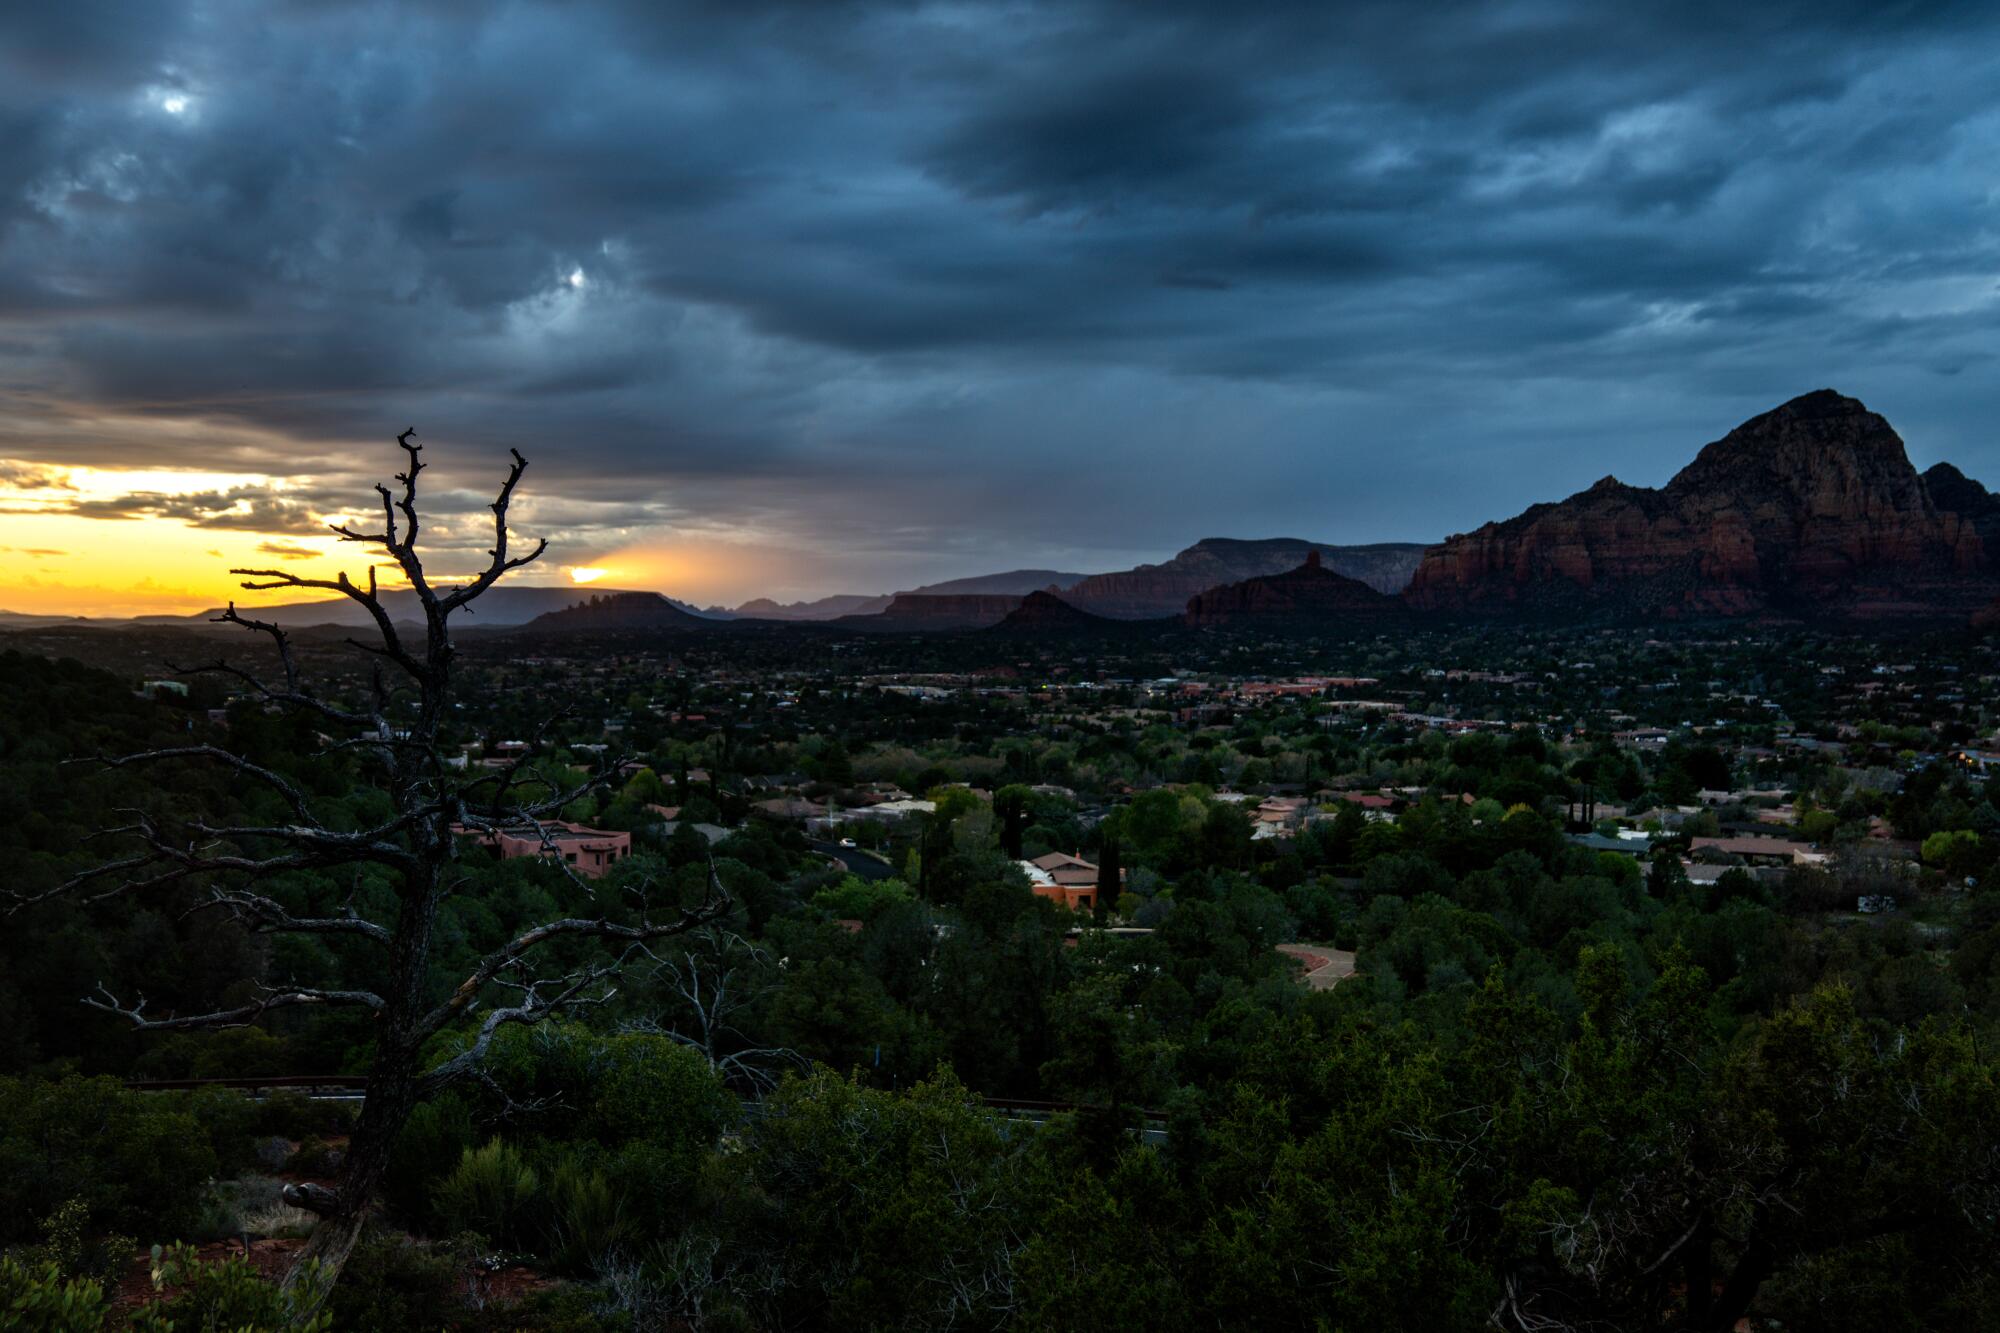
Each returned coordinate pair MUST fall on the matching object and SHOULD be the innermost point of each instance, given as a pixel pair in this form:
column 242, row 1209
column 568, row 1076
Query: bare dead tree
column 715, row 977
column 432, row 805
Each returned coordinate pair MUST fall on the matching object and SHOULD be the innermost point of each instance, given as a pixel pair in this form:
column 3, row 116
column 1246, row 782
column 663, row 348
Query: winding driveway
column 1325, row 967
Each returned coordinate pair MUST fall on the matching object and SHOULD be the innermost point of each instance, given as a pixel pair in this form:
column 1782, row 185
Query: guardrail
column 347, row 1082
column 359, row 1083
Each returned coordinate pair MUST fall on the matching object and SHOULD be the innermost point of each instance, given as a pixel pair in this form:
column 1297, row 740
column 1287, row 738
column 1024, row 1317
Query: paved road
column 1325, row 967
column 859, row 863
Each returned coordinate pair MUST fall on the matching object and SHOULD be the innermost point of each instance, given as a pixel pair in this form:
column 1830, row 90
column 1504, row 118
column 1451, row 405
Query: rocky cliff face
column 1310, row 593
column 1955, row 493
column 1811, row 509
column 1163, row 589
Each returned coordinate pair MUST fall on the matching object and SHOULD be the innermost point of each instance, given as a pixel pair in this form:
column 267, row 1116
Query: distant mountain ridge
column 1809, row 511
column 824, row 608
column 502, row 606
column 1812, row 509
column 1151, row 591
column 909, row 611
column 1144, row 593
column 1013, row 583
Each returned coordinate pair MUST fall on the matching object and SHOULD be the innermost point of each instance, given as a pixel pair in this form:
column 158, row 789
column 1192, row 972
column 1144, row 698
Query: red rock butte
column 1810, row 509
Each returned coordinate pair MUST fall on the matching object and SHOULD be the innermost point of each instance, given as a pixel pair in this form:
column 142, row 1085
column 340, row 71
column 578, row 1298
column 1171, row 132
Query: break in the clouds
column 922, row 289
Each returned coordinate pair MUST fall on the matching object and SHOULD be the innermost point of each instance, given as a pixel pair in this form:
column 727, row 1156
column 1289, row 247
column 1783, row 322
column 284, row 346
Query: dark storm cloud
column 29, row 477
column 963, row 286
column 244, row 509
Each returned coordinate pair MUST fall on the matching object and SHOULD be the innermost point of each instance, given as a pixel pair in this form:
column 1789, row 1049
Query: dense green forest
column 1566, row 1088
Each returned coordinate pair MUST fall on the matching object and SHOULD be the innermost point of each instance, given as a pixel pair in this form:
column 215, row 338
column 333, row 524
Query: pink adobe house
column 588, row 851
column 1062, row 878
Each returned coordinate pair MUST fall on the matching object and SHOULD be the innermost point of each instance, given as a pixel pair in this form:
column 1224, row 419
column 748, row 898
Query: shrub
column 437, row 1134
column 1956, row 852
column 491, row 1193
column 226, row 1295
column 650, row 1087
column 856, row 899
column 569, row 1308
column 227, row 1119
column 37, row 1298
column 69, row 1244
column 315, row 1157
column 586, row 1218
column 142, row 1160
column 392, row 1284
column 207, row 1298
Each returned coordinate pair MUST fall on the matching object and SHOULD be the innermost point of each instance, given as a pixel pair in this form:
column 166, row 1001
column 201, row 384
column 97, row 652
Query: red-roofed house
column 588, row 851
column 1069, row 880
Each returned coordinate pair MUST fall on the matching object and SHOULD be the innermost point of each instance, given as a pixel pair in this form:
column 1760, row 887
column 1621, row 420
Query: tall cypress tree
column 1108, row 886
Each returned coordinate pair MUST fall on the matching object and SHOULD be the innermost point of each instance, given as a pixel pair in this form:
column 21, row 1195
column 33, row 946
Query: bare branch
column 241, row 1016
column 369, row 599
column 510, row 954
column 286, row 697
column 565, row 992
column 270, row 778
column 501, row 564
column 268, row 916
column 704, row 979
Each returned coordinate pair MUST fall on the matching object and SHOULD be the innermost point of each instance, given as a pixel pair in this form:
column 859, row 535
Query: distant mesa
column 1151, row 591
column 619, row 611
column 1311, row 594
column 1811, row 510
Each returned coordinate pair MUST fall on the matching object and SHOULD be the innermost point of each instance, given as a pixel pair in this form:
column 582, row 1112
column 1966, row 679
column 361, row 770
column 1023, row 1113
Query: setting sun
column 586, row 574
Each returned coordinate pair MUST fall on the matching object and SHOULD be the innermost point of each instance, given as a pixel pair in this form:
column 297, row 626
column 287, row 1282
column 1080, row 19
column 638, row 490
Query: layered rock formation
column 1811, row 509
column 1163, row 589
column 1955, row 493
column 1308, row 595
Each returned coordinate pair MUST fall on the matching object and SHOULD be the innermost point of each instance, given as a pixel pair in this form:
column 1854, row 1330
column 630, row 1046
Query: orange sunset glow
column 106, row 542
column 55, row 560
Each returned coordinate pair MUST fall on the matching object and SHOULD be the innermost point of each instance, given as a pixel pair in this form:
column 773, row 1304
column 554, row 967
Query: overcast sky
column 817, row 297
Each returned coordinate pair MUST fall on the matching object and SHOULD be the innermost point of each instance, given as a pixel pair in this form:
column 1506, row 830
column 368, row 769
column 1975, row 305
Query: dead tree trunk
column 417, row 843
